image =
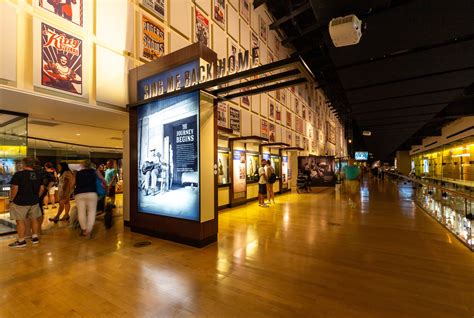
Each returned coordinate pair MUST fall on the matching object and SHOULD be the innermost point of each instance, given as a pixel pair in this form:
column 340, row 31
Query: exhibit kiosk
column 179, row 155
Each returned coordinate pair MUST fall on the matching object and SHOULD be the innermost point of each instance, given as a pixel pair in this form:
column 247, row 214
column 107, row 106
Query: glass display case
column 223, row 166
column 252, row 167
column 276, row 165
column 13, row 140
column 452, row 209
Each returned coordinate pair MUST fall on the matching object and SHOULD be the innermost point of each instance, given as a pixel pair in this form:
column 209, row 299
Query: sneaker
column 17, row 244
column 35, row 240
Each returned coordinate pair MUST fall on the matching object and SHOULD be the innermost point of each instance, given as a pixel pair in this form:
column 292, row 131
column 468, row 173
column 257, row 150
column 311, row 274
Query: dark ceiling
column 406, row 78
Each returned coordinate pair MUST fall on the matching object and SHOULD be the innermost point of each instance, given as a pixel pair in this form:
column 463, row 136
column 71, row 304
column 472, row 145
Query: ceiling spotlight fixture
column 366, row 133
column 349, row 141
column 78, row 134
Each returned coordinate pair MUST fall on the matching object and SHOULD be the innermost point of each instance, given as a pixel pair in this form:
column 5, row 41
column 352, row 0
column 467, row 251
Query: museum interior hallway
column 310, row 255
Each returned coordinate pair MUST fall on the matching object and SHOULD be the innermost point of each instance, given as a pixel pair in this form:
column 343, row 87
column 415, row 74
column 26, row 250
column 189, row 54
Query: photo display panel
column 168, row 157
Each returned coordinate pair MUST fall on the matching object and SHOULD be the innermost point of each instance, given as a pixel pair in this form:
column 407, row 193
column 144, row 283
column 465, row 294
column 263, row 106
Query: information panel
column 239, row 176
column 168, row 157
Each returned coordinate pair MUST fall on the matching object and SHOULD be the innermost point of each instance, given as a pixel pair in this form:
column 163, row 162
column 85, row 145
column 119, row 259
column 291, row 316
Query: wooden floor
column 310, row 255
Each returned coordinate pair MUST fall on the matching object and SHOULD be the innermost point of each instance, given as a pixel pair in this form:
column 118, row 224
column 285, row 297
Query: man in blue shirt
column 111, row 179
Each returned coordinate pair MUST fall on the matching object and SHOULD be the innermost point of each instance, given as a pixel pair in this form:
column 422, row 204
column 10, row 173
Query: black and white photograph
column 168, row 157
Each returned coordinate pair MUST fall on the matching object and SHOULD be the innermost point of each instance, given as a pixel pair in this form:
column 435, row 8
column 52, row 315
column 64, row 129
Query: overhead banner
column 168, row 157
column 61, row 60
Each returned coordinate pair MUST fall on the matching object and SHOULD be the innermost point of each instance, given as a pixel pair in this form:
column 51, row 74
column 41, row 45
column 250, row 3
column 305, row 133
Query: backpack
column 272, row 178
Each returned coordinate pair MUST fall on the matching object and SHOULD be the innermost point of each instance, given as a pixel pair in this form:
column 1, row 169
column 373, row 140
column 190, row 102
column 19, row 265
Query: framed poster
column 234, row 116
column 278, row 113
column 245, row 100
column 245, row 10
column 70, row 10
column 284, row 171
column 289, row 137
column 239, row 180
column 271, row 132
column 288, row 118
column 219, row 13
column 271, row 109
column 278, row 95
column 202, row 33
column 152, row 40
column 297, row 141
column 331, row 132
column 223, row 167
column 156, row 7
column 233, row 50
column 298, row 125
column 304, row 112
column 168, row 157
column 264, row 128
column 297, row 106
column 254, row 41
column 61, row 60
column 283, row 96
column 222, row 119
column 252, row 167
column 263, row 29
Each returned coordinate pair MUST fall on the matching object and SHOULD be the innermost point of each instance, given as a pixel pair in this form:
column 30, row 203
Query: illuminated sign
column 195, row 73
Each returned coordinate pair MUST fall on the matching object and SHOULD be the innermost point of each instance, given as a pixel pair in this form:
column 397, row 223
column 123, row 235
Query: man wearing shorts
column 26, row 189
column 262, row 184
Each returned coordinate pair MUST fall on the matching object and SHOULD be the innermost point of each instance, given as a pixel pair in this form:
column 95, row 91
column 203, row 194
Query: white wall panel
column 177, row 42
column 219, row 43
column 244, row 35
column 114, row 28
column 255, row 125
column 180, row 16
column 233, row 23
column 255, row 102
column 205, row 5
column 246, row 126
column 111, row 77
column 8, row 42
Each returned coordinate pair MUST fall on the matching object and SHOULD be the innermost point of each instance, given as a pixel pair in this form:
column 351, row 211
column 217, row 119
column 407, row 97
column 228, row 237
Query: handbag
column 99, row 187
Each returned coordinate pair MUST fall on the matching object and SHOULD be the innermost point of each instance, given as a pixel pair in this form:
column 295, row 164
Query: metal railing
column 453, row 209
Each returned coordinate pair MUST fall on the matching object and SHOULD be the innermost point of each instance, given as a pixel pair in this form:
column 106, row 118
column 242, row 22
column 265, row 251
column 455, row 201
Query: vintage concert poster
column 152, row 44
column 202, row 29
column 156, row 7
column 234, row 117
column 271, row 132
column 71, row 10
column 219, row 12
column 288, row 118
column 61, row 60
column 222, row 118
column 264, row 128
column 245, row 9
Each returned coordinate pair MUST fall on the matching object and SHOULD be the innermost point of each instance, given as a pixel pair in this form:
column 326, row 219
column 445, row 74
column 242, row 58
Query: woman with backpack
column 271, row 178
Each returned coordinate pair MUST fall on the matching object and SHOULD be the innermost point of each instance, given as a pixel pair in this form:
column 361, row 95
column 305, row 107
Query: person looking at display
column 111, row 179
column 262, row 184
column 26, row 189
column 271, row 178
column 65, row 188
column 51, row 178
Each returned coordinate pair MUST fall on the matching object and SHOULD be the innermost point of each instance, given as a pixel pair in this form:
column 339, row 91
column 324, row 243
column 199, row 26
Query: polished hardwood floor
column 310, row 255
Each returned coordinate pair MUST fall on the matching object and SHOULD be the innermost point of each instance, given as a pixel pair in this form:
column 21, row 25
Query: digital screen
column 361, row 155
column 168, row 157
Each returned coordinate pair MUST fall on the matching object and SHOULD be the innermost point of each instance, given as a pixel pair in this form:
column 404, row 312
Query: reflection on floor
column 310, row 255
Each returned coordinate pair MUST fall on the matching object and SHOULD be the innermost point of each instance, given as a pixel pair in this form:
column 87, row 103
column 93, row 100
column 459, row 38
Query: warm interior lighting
column 462, row 155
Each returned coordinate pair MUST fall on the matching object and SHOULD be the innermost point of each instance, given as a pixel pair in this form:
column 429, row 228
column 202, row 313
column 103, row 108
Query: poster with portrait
column 239, row 177
column 234, row 116
column 202, row 33
column 61, row 60
column 245, row 10
column 288, row 118
column 222, row 118
column 219, row 12
column 263, row 29
column 70, row 10
column 168, row 157
column 156, row 7
column 331, row 132
column 278, row 113
column 271, row 132
column 252, row 167
column 320, row 169
column 152, row 43
column 271, row 109
column 264, row 128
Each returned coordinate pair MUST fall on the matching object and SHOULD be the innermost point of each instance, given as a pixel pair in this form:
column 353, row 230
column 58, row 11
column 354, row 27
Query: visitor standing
column 51, row 177
column 65, row 188
column 271, row 178
column 26, row 189
column 86, row 197
column 111, row 179
column 262, row 184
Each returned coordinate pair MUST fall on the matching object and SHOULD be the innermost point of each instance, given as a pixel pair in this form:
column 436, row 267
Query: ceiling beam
column 411, row 78
column 384, row 110
column 291, row 15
